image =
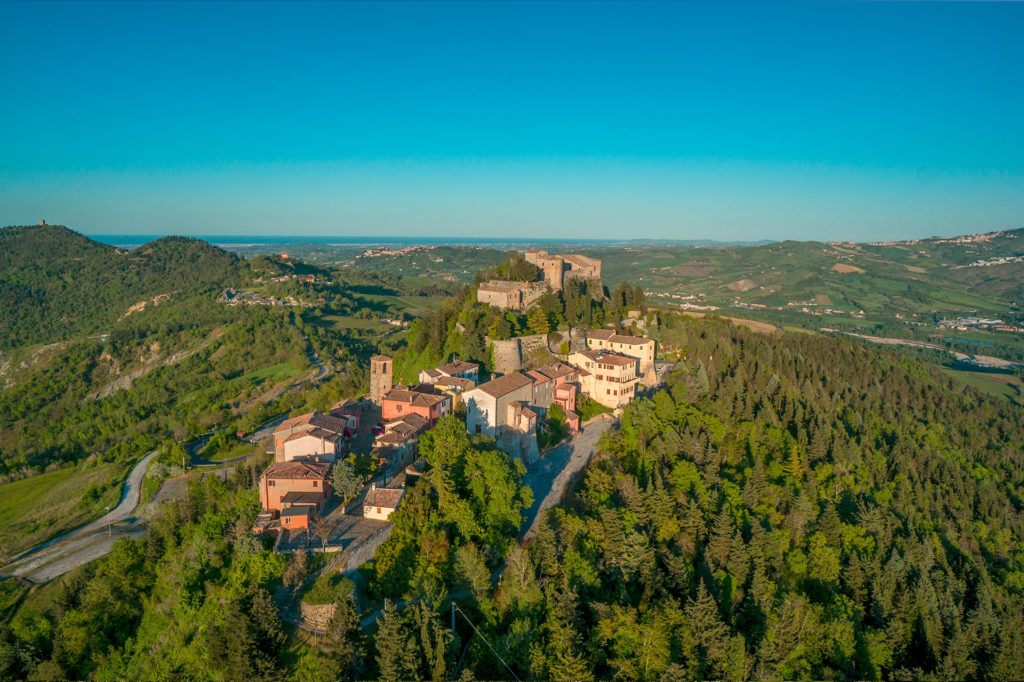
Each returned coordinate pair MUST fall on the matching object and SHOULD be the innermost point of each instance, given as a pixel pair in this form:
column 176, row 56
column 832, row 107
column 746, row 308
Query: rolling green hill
column 56, row 283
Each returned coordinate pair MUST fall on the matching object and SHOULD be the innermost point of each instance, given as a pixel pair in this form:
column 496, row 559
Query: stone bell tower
column 381, row 367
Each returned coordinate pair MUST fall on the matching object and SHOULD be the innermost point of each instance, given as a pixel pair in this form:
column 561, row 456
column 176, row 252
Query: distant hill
column 56, row 283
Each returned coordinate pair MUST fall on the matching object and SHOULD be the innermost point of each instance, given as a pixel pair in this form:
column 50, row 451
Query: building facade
column 638, row 347
column 300, row 483
column 500, row 408
column 311, row 434
column 608, row 377
column 509, row 295
column 400, row 402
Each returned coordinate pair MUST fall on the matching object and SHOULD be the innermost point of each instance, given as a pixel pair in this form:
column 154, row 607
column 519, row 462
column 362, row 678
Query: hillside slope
column 56, row 283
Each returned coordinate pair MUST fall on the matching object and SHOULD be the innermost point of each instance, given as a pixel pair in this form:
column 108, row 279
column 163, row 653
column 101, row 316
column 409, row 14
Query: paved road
column 968, row 358
column 36, row 562
column 551, row 476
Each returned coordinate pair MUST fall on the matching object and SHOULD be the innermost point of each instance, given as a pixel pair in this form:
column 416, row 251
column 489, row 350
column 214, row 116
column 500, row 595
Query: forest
column 787, row 507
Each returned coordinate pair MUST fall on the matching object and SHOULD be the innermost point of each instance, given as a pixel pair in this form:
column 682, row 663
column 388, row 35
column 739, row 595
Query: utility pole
column 108, row 524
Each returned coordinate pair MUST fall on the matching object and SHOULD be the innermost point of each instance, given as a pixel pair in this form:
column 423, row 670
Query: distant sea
column 131, row 241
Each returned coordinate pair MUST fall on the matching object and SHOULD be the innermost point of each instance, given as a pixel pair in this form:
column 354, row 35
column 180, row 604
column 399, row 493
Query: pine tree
column 396, row 651
column 705, row 637
column 721, row 540
column 538, row 322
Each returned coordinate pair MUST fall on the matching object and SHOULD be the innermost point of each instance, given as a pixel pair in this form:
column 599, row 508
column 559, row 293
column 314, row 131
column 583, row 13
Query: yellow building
column 608, row 377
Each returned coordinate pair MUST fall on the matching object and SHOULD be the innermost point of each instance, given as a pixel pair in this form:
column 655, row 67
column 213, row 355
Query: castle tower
column 381, row 367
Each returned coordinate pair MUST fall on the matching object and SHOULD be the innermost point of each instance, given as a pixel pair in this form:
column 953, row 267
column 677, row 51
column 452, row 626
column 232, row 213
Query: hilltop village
column 526, row 411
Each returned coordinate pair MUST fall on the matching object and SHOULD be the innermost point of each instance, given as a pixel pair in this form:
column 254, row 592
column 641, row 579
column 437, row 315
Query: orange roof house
column 295, row 484
column 399, row 402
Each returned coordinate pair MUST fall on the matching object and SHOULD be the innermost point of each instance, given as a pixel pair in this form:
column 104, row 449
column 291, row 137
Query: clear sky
column 663, row 120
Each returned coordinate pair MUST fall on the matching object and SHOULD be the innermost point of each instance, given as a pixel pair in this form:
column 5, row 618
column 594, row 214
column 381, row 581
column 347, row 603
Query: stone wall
column 359, row 555
column 317, row 616
column 510, row 355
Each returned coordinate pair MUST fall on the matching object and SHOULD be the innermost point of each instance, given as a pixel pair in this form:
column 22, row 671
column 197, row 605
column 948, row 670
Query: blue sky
column 663, row 120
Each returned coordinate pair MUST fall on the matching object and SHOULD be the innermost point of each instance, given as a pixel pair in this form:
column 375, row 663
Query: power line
column 455, row 607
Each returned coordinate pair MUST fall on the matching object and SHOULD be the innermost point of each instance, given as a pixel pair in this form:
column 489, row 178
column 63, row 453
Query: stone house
column 516, row 296
column 500, row 408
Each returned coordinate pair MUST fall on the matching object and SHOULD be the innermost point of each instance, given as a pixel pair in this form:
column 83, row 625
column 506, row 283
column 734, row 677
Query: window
column 378, row 510
column 608, row 391
column 478, row 428
column 288, row 520
column 316, row 484
column 398, row 409
column 270, row 483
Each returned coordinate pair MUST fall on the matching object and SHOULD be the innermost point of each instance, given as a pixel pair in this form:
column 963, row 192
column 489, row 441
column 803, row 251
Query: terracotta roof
column 417, row 398
column 297, row 497
column 505, row 384
column 557, row 369
column 329, row 422
column 322, row 434
column 384, row 497
column 433, row 373
column 380, row 357
column 608, row 357
column 298, row 470
column 453, row 368
column 412, row 419
column 456, row 382
column 612, row 337
column 324, row 421
column 291, row 423
column 537, row 376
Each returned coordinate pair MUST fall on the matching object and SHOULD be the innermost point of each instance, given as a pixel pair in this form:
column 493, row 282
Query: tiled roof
column 329, row 422
column 556, row 370
column 608, row 357
column 322, row 434
column 402, row 395
column 288, row 424
column 384, row 497
column 298, row 470
column 457, row 382
column 537, row 376
column 433, row 373
column 324, row 421
column 380, row 357
column 453, row 368
column 611, row 337
column 505, row 384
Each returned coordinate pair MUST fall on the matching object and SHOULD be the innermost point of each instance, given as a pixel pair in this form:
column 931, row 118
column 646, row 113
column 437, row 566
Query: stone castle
column 559, row 268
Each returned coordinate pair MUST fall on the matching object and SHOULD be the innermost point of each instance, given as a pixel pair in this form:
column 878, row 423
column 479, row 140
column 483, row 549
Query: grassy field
column 993, row 383
column 348, row 322
column 34, row 509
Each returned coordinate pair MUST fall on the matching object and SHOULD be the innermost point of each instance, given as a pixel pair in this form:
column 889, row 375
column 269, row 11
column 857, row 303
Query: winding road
column 61, row 554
